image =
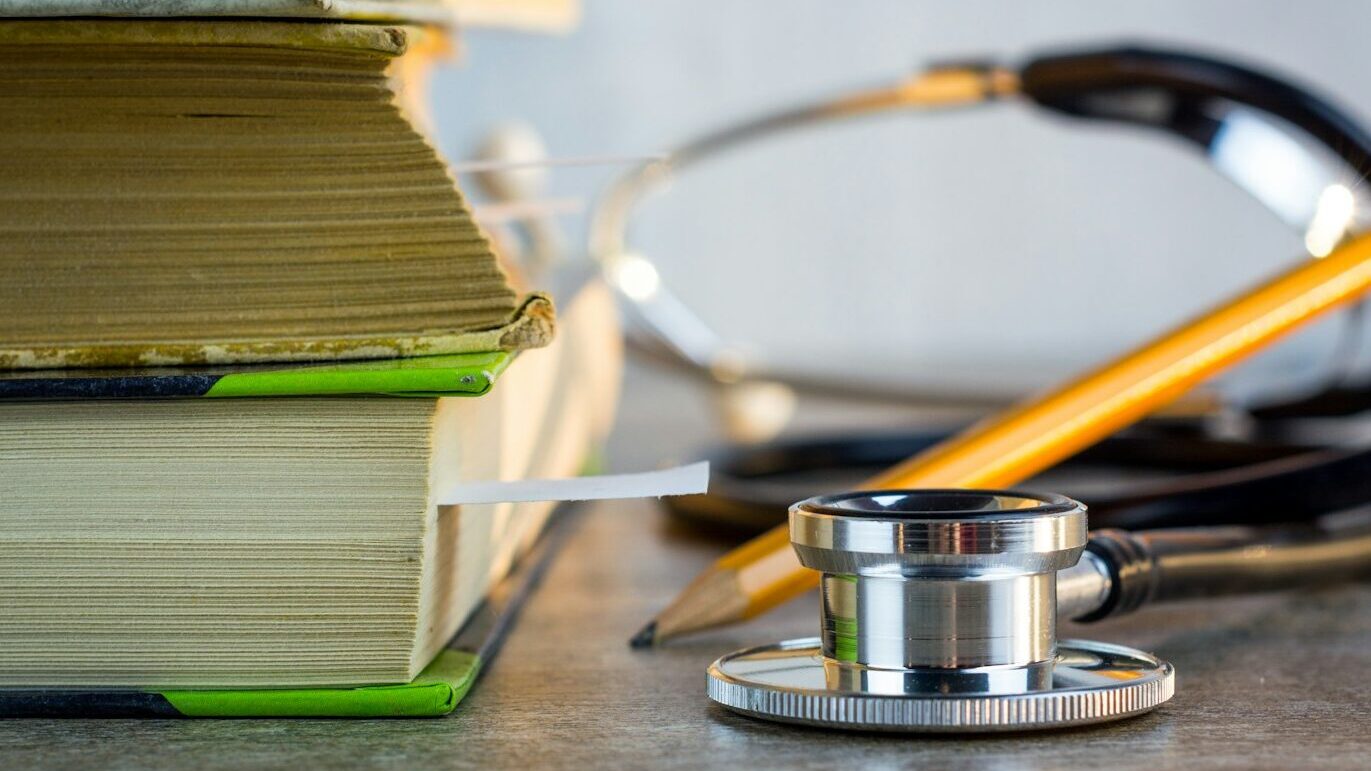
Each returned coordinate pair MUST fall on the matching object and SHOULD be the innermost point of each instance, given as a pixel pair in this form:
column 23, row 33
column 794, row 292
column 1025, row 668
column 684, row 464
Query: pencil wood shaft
column 1012, row 446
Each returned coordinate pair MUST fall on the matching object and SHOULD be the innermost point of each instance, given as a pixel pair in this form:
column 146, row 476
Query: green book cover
column 435, row 692
column 464, row 374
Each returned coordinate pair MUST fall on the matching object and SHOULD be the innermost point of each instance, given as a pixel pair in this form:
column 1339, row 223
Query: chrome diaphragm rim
column 1093, row 682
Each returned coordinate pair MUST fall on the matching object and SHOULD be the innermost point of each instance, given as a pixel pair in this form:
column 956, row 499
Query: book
column 249, row 335
column 434, row 693
column 189, row 192
column 529, row 15
column 278, row 544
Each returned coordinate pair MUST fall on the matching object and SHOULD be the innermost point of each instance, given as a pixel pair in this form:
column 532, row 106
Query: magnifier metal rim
column 1060, row 707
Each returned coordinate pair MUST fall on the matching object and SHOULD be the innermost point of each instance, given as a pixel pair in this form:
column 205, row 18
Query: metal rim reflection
column 1092, row 682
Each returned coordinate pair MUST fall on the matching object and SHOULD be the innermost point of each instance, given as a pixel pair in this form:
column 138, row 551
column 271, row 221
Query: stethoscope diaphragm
column 938, row 614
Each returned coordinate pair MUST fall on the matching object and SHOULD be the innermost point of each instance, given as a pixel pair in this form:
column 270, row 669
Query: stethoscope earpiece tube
column 1240, row 117
column 1172, row 90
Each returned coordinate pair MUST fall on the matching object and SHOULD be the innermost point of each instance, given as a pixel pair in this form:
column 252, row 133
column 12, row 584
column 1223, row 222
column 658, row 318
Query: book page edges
column 529, row 15
column 388, row 41
column 532, row 325
column 430, row 12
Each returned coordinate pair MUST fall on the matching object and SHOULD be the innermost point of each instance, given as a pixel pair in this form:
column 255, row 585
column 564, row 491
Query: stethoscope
column 938, row 610
column 1293, row 151
column 1305, row 159
column 989, row 572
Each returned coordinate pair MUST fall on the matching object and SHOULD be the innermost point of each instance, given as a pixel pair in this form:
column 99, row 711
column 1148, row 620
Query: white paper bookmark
column 682, row 480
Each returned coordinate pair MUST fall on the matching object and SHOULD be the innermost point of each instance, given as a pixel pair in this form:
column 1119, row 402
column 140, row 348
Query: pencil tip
column 646, row 637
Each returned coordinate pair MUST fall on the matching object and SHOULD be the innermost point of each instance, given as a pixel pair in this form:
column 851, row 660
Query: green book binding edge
column 469, row 374
column 464, row 374
column 434, row 693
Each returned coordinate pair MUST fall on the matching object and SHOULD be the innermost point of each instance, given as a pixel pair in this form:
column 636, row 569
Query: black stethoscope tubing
column 1210, row 481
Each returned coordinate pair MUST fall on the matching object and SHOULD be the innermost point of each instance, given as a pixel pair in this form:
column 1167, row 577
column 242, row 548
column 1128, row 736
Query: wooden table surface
column 1280, row 681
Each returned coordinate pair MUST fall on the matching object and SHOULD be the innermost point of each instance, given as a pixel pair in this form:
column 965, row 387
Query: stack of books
column 251, row 337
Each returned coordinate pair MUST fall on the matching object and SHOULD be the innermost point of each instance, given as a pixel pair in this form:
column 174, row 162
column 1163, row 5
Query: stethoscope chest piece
column 938, row 614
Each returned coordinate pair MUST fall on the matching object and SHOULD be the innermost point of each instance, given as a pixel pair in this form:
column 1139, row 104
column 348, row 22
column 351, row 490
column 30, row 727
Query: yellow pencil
column 1010, row 447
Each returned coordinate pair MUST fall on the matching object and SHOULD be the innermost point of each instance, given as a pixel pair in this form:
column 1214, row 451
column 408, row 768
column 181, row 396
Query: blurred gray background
column 994, row 249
